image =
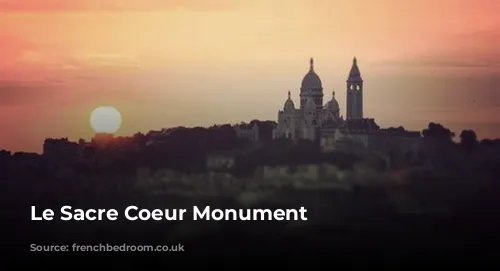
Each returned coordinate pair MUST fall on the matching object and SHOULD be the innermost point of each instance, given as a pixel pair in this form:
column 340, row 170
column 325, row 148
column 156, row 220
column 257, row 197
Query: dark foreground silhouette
column 444, row 207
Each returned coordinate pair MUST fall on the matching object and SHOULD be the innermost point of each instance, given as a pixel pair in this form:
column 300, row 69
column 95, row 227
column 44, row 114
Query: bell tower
column 354, row 93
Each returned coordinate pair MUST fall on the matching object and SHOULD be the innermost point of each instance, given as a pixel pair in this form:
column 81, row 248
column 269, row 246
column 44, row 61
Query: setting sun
column 105, row 119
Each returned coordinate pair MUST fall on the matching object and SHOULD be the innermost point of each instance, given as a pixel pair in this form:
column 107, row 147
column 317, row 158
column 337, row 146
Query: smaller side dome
column 332, row 105
column 289, row 105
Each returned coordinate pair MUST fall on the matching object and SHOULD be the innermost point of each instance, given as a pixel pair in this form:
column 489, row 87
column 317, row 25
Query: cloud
column 111, row 5
column 57, row 91
column 468, row 50
column 447, row 61
column 105, row 61
column 11, row 45
column 13, row 93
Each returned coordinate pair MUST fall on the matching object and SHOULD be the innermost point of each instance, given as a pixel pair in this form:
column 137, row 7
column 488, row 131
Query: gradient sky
column 198, row 62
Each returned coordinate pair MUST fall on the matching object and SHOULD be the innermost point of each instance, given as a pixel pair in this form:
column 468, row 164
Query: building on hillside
column 26, row 162
column 61, row 149
column 305, row 121
column 389, row 140
column 159, row 137
column 221, row 160
column 323, row 123
column 229, row 159
column 351, row 130
column 247, row 131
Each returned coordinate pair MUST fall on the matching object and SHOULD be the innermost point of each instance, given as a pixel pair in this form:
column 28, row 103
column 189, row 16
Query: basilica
column 323, row 123
column 312, row 117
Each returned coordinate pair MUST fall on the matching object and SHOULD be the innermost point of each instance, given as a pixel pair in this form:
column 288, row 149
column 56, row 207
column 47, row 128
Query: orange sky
column 199, row 62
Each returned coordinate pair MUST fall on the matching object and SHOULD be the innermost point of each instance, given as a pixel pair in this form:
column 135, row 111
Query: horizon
column 455, row 137
column 198, row 63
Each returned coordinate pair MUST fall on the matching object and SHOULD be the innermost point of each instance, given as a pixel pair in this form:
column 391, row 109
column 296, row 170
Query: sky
column 168, row 63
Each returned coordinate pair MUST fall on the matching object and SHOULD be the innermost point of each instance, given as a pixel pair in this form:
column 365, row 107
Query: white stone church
column 306, row 121
column 316, row 121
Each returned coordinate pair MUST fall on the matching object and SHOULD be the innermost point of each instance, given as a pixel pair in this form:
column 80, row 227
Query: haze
column 171, row 63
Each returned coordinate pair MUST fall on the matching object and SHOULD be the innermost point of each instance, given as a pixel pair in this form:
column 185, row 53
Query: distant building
column 317, row 122
column 306, row 121
column 247, row 131
column 25, row 161
column 396, row 140
column 159, row 137
column 357, row 130
column 228, row 159
column 221, row 160
column 60, row 149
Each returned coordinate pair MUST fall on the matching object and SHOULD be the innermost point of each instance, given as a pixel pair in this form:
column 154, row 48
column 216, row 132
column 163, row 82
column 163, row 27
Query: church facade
column 312, row 116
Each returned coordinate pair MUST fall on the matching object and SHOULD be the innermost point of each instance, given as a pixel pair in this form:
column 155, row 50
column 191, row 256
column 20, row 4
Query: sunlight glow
column 105, row 119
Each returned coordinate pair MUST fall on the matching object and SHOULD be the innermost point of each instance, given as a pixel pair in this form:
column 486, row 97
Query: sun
column 105, row 119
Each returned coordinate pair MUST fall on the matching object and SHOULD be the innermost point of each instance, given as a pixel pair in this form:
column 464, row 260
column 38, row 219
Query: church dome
column 332, row 105
column 311, row 79
column 289, row 105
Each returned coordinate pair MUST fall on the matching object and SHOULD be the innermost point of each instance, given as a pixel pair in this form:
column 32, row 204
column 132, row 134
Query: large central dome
column 311, row 79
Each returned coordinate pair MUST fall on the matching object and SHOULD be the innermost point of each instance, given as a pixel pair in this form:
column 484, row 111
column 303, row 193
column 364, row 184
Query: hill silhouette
column 443, row 202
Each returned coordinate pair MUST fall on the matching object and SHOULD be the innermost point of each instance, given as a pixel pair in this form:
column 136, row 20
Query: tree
column 468, row 139
column 438, row 131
